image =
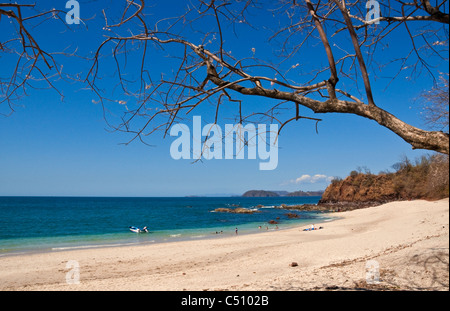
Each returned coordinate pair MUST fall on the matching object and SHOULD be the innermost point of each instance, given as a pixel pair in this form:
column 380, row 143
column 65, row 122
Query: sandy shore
column 409, row 242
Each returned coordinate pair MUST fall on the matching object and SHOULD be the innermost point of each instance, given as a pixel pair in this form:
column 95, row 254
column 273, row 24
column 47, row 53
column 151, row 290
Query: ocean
column 42, row 224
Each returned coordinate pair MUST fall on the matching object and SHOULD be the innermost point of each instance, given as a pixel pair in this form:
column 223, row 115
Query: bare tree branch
column 207, row 70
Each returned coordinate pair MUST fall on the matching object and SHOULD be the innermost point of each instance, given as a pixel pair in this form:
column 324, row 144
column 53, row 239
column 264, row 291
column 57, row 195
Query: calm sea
column 29, row 224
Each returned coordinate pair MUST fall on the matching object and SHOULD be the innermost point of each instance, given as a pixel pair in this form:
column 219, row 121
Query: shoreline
column 203, row 234
column 406, row 238
column 124, row 239
column 104, row 225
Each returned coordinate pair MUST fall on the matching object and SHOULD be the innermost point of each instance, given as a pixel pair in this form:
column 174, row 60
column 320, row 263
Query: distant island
column 265, row 194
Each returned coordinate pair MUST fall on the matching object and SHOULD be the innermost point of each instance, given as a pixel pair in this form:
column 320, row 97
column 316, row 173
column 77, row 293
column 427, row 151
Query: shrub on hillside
column 425, row 178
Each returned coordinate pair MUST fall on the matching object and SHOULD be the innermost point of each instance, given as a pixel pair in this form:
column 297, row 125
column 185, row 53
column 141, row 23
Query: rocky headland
column 425, row 179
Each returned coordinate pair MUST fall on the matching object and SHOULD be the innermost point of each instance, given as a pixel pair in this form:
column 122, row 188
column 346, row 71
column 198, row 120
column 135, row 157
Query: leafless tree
column 207, row 68
column 34, row 66
column 436, row 105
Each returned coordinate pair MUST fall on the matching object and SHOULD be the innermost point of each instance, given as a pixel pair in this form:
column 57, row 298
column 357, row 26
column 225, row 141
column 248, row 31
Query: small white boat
column 138, row 230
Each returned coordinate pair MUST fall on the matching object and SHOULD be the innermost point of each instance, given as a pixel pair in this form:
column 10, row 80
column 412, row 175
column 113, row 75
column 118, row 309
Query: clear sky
column 50, row 147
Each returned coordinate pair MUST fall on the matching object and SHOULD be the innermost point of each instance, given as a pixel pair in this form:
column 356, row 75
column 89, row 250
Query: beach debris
column 293, row 264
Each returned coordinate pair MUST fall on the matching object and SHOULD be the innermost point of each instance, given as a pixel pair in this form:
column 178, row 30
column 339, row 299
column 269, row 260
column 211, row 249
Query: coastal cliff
column 426, row 179
column 362, row 188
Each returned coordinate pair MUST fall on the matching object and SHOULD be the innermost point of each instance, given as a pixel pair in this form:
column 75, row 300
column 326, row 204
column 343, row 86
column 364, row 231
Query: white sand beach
column 408, row 240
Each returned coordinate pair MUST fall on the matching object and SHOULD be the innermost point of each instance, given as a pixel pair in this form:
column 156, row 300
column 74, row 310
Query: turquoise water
column 59, row 223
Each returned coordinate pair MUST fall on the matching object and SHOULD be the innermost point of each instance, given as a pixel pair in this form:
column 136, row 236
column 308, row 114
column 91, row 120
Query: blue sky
column 51, row 147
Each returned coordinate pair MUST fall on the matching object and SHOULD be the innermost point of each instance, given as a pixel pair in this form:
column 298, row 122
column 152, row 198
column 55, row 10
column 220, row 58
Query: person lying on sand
column 312, row 228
